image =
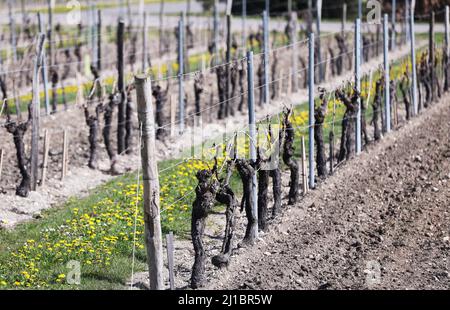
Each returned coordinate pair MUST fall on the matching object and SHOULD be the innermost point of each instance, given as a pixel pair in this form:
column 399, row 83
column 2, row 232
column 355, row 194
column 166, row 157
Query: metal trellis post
column 294, row 78
column 413, row 60
column 181, row 72
column 358, row 82
column 244, row 26
column 311, row 110
column 387, row 100
column 266, row 56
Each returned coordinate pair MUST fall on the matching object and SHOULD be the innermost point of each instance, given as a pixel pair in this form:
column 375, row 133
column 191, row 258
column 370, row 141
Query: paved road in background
column 111, row 15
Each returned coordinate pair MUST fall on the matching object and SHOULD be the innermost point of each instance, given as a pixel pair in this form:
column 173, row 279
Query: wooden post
column 45, row 162
column 45, row 81
column 36, row 113
column 13, row 43
column 121, row 88
column 153, row 235
column 1, row 162
column 64, row 156
column 304, row 168
column 44, row 70
column 170, row 260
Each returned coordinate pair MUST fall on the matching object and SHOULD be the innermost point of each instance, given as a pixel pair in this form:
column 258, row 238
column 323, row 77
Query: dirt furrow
column 381, row 222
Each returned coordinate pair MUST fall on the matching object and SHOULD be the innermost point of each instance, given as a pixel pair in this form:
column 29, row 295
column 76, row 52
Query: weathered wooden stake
column 252, row 133
column 153, row 234
column 36, row 113
column 44, row 71
column 170, row 259
column 45, row 162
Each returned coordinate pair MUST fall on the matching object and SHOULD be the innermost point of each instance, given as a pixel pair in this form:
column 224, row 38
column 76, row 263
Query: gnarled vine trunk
column 246, row 170
column 289, row 160
column 203, row 203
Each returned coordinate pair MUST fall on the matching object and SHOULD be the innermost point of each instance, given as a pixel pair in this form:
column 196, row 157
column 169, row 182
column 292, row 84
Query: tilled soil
column 381, row 222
